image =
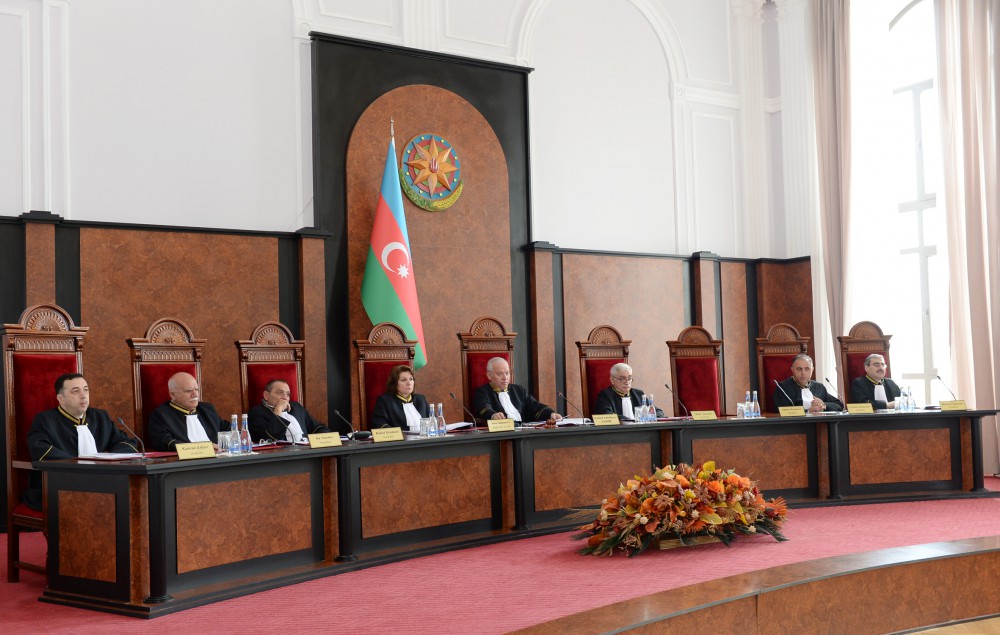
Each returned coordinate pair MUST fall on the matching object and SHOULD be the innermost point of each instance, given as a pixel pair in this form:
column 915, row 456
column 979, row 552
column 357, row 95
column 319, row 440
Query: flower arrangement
column 682, row 502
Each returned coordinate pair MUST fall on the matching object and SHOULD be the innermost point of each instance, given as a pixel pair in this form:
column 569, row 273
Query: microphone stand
column 790, row 400
column 681, row 403
column 568, row 403
column 142, row 445
column 475, row 427
column 353, row 435
column 829, row 383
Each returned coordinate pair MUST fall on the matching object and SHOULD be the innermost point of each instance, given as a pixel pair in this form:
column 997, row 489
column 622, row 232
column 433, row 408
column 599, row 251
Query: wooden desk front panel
column 583, row 476
column 900, row 456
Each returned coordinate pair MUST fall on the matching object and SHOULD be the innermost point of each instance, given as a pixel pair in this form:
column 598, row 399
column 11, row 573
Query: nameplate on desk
column 957, row 404
column 381, row 435
column 791, row 411
column 860, row 408
column 606, row 420
column 201, row 450
column 704, row 415
column 324, row 439
column 500, row 425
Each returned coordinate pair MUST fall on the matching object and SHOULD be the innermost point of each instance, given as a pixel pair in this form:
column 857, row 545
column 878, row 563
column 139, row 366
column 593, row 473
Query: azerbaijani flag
column 389, row 290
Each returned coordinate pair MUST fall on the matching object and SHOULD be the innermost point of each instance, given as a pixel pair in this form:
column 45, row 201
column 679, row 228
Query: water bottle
column 442, row 426
column 747, row 407
column 246, row 445
column 652, row 409
column 755, row 407
column 234, row 435
column 644, row 410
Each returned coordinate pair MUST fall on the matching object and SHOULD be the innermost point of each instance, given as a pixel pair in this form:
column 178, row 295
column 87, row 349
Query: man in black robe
column 488, row 400
column 183, row 419
column 278, row 418
column 863, row 389
column 611, row 400
column 789, row 391
column 60, row 433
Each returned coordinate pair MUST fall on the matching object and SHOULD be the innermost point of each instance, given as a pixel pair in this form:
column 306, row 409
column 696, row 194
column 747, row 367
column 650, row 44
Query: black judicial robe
column 168, row 425
column 265, row 425
column 863, row 391
column 610, row 402
column 53, row 436
column 794, row 395
column 485, row 403
column 388, row 411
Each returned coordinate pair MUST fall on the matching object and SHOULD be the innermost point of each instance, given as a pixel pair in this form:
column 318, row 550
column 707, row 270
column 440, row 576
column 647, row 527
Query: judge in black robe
column 609, row 401
column 266, row 426
column 486, row 400
column 53, row 436
column 168, row 425
column 863, row 391
column 790, row 394
column 388, row 411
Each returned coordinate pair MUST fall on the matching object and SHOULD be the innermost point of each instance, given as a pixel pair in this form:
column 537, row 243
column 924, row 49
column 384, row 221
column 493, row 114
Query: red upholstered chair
column 602, row 349
column 167, row 348
column 487, row 338
column 385, row 348
column 41, row 346
column 775, row 353
column 270, row 353
column 862, row 340
column 695, row 370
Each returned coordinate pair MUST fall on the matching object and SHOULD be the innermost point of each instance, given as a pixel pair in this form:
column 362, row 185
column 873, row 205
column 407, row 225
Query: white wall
column 196, row 113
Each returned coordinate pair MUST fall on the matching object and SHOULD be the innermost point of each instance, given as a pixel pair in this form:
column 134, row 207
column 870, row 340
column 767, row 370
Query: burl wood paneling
column 221, row 286
column 87, row 535
column 927, row 452
column 543, row 322
column 139, row 528
column 582, row 476
column 784, row 294
column 404, row 496
column 775, row 462
column 735, row 352
column 461, row 256
column 604, row 289
column 312, row 291
column 39, row 263
column 280, row 506
column 884, row 600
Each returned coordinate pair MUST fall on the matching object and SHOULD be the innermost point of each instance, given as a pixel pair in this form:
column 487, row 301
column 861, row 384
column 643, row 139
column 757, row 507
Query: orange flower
column 597, row 539
column 733, row 479
column 716, row 486
column 683, row 481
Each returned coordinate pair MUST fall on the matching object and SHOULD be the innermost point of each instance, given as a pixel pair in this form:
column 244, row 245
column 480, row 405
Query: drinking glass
column 224, row 441
column 740, row 410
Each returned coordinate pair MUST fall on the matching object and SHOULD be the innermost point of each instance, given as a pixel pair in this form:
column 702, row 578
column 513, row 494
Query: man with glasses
column 874, row 387
column 620, row 397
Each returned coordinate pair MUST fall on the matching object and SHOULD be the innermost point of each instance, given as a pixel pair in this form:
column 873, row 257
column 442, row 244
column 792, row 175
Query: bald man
column 183, row 419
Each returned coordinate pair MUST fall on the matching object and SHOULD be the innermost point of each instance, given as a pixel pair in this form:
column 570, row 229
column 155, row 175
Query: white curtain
column 831, row 55
column 967, row 33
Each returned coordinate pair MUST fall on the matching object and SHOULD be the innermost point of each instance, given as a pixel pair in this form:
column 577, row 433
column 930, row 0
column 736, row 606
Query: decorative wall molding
column 22, row 84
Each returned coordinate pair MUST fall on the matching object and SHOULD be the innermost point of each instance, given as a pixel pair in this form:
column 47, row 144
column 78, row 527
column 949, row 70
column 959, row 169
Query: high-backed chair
column 40, row 347
column 487, row 338
column 862, row 340
column 270, row 353
column 168, row 348
column 775, row 352
column 602, row 349
column 696, row 371
column 385, row 347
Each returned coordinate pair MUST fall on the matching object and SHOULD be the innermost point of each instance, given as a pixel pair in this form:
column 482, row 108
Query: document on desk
column 111, row 456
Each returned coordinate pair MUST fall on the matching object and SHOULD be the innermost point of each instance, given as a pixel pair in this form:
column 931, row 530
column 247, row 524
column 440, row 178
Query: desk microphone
column 353, row 435
column 681, row 403
column 837, row 397
column 946, row 387
column 137, row 438
column 472, row 416
column 783, row 392
column 568, row 403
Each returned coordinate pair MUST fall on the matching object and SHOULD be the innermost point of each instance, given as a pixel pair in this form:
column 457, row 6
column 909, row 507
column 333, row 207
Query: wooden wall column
column 40, row 257
column 312, row 296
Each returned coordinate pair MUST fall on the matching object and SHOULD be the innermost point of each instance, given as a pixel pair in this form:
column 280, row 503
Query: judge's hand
column 817, row 405
column 281, row 406
column 499, row 415
column 555, row 416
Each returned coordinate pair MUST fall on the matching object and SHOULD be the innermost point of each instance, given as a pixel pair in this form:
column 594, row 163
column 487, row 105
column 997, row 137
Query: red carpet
column 499, row 588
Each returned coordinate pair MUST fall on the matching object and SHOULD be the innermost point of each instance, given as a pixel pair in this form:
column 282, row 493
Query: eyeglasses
column 623, row 379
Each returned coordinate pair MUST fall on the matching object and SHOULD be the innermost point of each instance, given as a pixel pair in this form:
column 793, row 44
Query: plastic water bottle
column 755, row 407
column 441, row 425
column 246, row 445
column 234, row 435
column 747, row 407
